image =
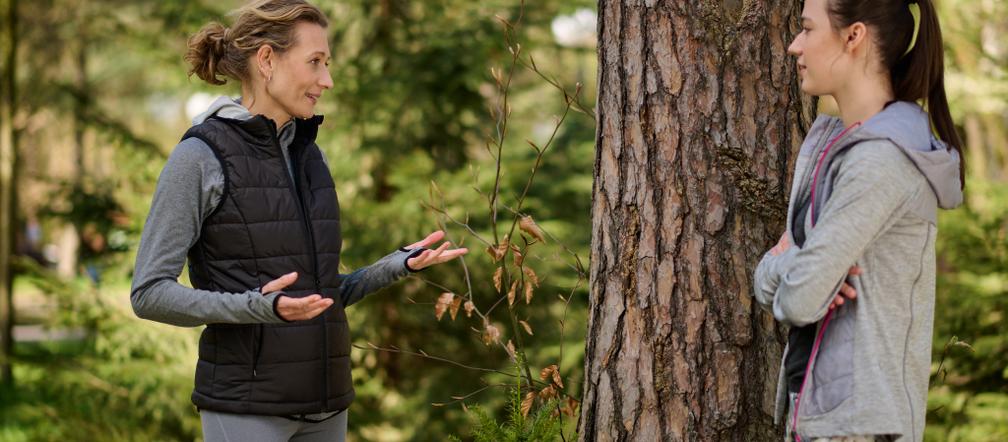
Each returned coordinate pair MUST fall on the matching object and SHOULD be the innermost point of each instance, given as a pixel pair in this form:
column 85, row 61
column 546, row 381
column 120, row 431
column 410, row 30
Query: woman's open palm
column 433, row 256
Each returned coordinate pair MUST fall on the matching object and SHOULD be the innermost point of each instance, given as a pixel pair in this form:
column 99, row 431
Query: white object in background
column 576, row 30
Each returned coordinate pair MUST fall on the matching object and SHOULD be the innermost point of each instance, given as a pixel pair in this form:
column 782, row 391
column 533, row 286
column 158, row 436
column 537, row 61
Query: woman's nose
column 327, row 81
column 794, row 48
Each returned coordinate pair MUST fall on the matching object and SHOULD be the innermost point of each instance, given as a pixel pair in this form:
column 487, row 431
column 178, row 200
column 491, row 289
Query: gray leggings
column 227, row 427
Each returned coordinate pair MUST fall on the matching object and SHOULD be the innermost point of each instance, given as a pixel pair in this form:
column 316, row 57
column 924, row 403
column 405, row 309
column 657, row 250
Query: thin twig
column 535, row 168
column 579, row 268
column 570, row 98
column 423, row 354
column 457, row 399
column 444, row 213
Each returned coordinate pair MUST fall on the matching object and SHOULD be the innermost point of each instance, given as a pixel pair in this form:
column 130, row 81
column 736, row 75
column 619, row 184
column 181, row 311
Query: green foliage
column 115, row 378
column 525, row 422
column 540, row 426
column 969, row 395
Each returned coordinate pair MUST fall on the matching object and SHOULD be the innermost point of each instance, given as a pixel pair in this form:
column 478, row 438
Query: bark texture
column 699, row 119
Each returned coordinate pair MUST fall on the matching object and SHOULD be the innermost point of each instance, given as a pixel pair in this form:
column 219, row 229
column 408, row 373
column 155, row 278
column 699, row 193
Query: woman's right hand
column 296, row 309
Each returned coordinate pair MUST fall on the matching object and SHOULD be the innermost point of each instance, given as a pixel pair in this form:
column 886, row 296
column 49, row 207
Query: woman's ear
column 855, row 36
column 264, row 61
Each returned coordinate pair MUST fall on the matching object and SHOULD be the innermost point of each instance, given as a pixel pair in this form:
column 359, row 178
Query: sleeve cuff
column 412, row 254
column 276, row 299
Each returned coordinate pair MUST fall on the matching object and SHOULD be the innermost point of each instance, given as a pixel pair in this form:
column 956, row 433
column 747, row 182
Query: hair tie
column 915, row 12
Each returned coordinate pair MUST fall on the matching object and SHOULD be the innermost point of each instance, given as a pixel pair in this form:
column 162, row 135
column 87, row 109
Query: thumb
column 279, row 283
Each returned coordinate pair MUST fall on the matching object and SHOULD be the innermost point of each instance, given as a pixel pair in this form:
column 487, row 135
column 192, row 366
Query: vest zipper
column 310, row 237
column 257, row 350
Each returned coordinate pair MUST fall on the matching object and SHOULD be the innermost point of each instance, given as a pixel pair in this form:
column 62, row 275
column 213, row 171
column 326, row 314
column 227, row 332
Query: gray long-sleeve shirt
column 190, row 187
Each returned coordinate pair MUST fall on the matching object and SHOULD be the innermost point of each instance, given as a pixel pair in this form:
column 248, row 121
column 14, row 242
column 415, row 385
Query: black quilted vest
column 265, row 226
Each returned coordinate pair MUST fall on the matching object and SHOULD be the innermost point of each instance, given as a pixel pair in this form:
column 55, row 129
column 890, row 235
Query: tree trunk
column 8, row 152
column 70, row 235
column 700, row 118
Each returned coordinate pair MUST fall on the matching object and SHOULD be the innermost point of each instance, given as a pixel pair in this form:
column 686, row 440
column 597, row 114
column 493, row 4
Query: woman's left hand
column 434, row 256
column 846, row 290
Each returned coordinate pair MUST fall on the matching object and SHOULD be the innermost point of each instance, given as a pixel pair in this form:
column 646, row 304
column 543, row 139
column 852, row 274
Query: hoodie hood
column 907, row 126
column 227, row 107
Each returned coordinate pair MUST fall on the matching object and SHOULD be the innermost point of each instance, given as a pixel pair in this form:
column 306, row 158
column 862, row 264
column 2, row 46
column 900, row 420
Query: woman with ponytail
column 247, row 198
column 854, row 273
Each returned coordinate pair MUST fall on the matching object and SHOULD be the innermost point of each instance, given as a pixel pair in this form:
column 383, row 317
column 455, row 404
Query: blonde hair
column 217, row 50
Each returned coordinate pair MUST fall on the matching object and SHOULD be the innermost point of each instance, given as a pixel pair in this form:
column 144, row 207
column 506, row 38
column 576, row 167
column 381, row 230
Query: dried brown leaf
column 528, row 328
column 497, row 252
column 531, row 275
column 442, row 304
column 518, row 257
column 545, row 373
column 453, row 310
column 571, row 406
column 528, row 225
column 497, row 278
column 528, row 293
column 547, row 393
column 510, row 349
column 556, row 377
column 469, row 307
column 491, row 334
column 526, row 404
column 551, row 372
column 511, row 292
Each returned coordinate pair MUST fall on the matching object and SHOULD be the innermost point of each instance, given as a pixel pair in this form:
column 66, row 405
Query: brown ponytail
column 918, row 74
column 219, row 51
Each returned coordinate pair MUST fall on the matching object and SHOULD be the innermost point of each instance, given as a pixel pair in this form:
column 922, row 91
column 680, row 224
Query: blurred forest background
column 427, row 102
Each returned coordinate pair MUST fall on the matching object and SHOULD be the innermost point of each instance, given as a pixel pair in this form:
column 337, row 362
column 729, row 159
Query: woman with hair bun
column 854, row 273
column 247, row 198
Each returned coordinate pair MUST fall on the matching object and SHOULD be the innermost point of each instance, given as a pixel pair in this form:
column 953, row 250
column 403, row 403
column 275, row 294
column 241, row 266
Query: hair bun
column 206, row 49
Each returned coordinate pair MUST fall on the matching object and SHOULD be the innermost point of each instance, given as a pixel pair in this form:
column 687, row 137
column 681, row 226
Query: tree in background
column 8, row 162
column 699, row 120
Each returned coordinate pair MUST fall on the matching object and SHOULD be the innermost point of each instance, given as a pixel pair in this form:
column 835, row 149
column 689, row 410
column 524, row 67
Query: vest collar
column 262, row 129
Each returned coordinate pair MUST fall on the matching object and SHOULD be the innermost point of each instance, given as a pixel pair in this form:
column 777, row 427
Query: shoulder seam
column 220, row 159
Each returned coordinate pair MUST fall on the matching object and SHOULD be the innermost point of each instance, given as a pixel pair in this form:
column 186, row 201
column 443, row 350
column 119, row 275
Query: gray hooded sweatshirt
column 190, row 187
column 876, row 201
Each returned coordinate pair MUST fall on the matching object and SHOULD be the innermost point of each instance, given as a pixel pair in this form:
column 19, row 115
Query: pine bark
column 699, row 120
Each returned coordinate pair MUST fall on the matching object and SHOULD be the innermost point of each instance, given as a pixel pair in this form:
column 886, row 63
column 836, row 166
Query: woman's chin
column 810, row 89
